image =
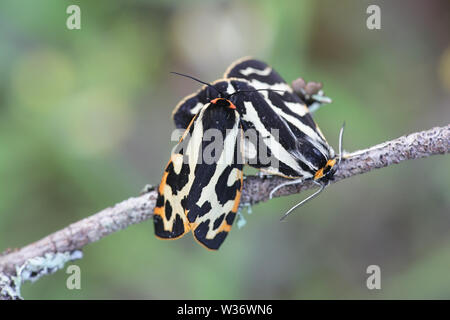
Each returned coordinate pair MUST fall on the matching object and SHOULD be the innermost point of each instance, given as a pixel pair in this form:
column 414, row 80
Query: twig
column 256, row 189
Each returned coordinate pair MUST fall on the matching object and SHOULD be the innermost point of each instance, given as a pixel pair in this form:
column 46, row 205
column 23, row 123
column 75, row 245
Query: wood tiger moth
column 199, row 194
column 301, row 150
column 204, row 197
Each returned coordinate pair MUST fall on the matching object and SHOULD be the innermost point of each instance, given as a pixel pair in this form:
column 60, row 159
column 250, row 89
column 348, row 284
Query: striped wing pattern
column 287, row 104
column 204, row 197
column 200, row 195
column 292, row 153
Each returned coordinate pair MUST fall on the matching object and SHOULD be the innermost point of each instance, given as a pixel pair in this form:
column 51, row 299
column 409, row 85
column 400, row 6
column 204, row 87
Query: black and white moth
column 253, row 97
column 257, row 117
column 200, row 195
column 300, row 148
column 311, row 147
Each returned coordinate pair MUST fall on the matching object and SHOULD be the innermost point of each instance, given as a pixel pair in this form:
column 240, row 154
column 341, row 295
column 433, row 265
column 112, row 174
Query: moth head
column 327, row 171
column 224, row 103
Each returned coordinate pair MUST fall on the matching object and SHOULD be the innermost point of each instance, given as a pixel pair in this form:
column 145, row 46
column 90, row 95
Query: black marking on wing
column 160, row 201
column 177, row 181
column 218, row 221
column 234, row 71
column 200, row 234
column 230, row 218
column 176, row 232
column 196, row 212
column 223, row 191
column 168, row 210
column 183, row 114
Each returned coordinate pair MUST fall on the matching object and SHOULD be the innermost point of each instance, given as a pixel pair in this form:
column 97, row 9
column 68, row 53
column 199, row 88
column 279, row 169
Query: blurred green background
column 85, row 123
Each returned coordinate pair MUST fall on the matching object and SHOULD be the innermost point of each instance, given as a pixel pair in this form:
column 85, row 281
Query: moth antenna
column 315, row 194
column 191, row 77
column 341, row 139
column 288, row 183
column 322, row 186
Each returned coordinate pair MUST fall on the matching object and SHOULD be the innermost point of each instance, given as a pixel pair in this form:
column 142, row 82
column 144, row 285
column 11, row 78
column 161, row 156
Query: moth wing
column 262, row 76
column 211, row 229
column 191, row 105
column 258, row 73
column 216, row 191
column 169, row 215
column 286, row 103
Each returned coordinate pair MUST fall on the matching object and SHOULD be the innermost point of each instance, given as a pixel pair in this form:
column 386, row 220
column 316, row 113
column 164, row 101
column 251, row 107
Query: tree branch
column 50, row 253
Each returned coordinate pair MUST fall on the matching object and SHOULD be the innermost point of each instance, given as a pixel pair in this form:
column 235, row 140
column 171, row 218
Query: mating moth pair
column 204, row 196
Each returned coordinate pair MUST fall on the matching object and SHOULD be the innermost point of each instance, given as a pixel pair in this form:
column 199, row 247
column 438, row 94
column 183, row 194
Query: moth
column 203, row 197
column 196, row 193
column 267, row 104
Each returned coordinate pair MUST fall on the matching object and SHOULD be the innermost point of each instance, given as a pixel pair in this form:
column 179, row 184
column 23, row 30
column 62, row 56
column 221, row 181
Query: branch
column 50, row 253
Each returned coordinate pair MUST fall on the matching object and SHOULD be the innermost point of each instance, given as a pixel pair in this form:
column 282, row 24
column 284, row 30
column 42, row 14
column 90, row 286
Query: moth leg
column 288, row 183
column 315, row 194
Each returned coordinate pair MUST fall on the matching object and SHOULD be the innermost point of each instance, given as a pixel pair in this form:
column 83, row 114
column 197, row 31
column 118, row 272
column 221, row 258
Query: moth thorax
column 222, row 102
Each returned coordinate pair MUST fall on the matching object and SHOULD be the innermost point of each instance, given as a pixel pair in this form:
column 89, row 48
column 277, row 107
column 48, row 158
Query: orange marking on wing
column 163, row 182
column 185, row 133
column 224, row 227
column 159, row 211
column 187, row 226
column 204, row 245
column 237, row 199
